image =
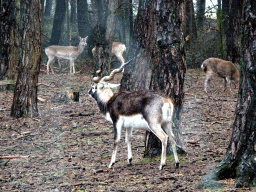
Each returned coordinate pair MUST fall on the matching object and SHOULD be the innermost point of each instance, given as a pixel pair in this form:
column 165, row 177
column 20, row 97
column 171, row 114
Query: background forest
column 51, row 142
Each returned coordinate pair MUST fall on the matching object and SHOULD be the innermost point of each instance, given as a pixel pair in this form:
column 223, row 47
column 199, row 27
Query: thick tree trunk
column 225, row 15
column 84, row 26
column 136, row 73
column 25, row 93
column 7, row 30
column 158, row 41
column 99, row 27
column 188, row 22
column 233, row 32
column 240, row 159
column 168, row 59
column 59, row 17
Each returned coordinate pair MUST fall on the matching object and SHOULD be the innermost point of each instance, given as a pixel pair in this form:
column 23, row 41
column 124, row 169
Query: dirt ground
column 68, row 147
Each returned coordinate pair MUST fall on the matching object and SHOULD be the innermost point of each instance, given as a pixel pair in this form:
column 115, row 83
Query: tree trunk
column 103, row 31
column 48, row 8
column 168, row 58
column 58, row 21
column 99, row 21
column 73, row 16
column 233, row 34
column 84, row 27
column 240, row 159
column 225, row 15
column 7, row 31
column 220, row 31
column 25, row 93
column 158, row 39
column 200, row 13
column 141, row 43
column 188, row 22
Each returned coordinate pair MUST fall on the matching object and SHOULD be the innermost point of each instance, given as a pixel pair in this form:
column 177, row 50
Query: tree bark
column 220, row 31
column 188, row 22
column 84, row 27
column 169, row 65
column 25, row 93
column 59, row 17
column 240, row 159
column 200, row 13
column 135, row 74
column 7, row 30
column 157, row 34
column 233, row 31
column 225, row 14
column 48, row 8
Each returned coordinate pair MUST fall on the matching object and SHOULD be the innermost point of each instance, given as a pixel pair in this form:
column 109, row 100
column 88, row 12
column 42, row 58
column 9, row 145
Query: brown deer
column 65, row 52
column 224, row 69
column 145, row 109
column 117, row 49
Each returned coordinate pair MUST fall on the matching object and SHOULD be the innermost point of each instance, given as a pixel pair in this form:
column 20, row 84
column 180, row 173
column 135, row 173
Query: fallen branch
column 215, row 122
column 12, row 156
column 43, row 84
column 81, row 114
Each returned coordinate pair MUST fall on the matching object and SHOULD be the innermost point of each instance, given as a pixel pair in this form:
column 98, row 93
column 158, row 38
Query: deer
column 65, row 52
column 143, row 109
column 117, row 49
column 224, row 69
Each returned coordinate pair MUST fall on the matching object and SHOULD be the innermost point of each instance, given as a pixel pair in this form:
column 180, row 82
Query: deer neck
column 103, row 99
column 80, row 48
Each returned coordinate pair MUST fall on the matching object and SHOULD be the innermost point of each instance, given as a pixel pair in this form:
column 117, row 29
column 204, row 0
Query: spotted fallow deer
column 65, row 52
column 117, row 49
column 224, row 69
column 145, row 109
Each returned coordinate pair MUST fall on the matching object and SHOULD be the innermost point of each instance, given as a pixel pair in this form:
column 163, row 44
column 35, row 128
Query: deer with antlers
column 145, row 109
column 65, row 52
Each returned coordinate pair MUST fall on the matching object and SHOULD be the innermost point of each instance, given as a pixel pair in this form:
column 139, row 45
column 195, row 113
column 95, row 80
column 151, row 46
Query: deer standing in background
column 117, row 49
column 145, row 109
column 224, row 69
column 65, row 52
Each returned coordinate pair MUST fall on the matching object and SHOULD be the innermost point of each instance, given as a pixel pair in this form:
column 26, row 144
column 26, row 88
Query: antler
column 111, row 76
column 115, row 71
column 98, row 72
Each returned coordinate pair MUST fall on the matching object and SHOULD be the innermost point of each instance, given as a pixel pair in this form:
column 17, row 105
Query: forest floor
column 68, row 147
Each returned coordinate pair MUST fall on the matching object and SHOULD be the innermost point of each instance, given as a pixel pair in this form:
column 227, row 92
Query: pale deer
column 65, row 52
column 224, row 69
column 117, row 49
column 145, row 109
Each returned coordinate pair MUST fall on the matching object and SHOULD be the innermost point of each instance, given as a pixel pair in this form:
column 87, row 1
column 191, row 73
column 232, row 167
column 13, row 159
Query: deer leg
column 49, row 64
column 207, row 79
column 229, row 83
column 159, row 132
column 72, row 66
column 128, row 142
column 117, row 136
column 168, row 129
column 59, row 64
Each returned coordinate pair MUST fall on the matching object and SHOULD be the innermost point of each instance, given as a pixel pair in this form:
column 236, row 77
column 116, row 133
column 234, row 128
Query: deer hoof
column 161, row 167
column 129, row 161
column 110, row 165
